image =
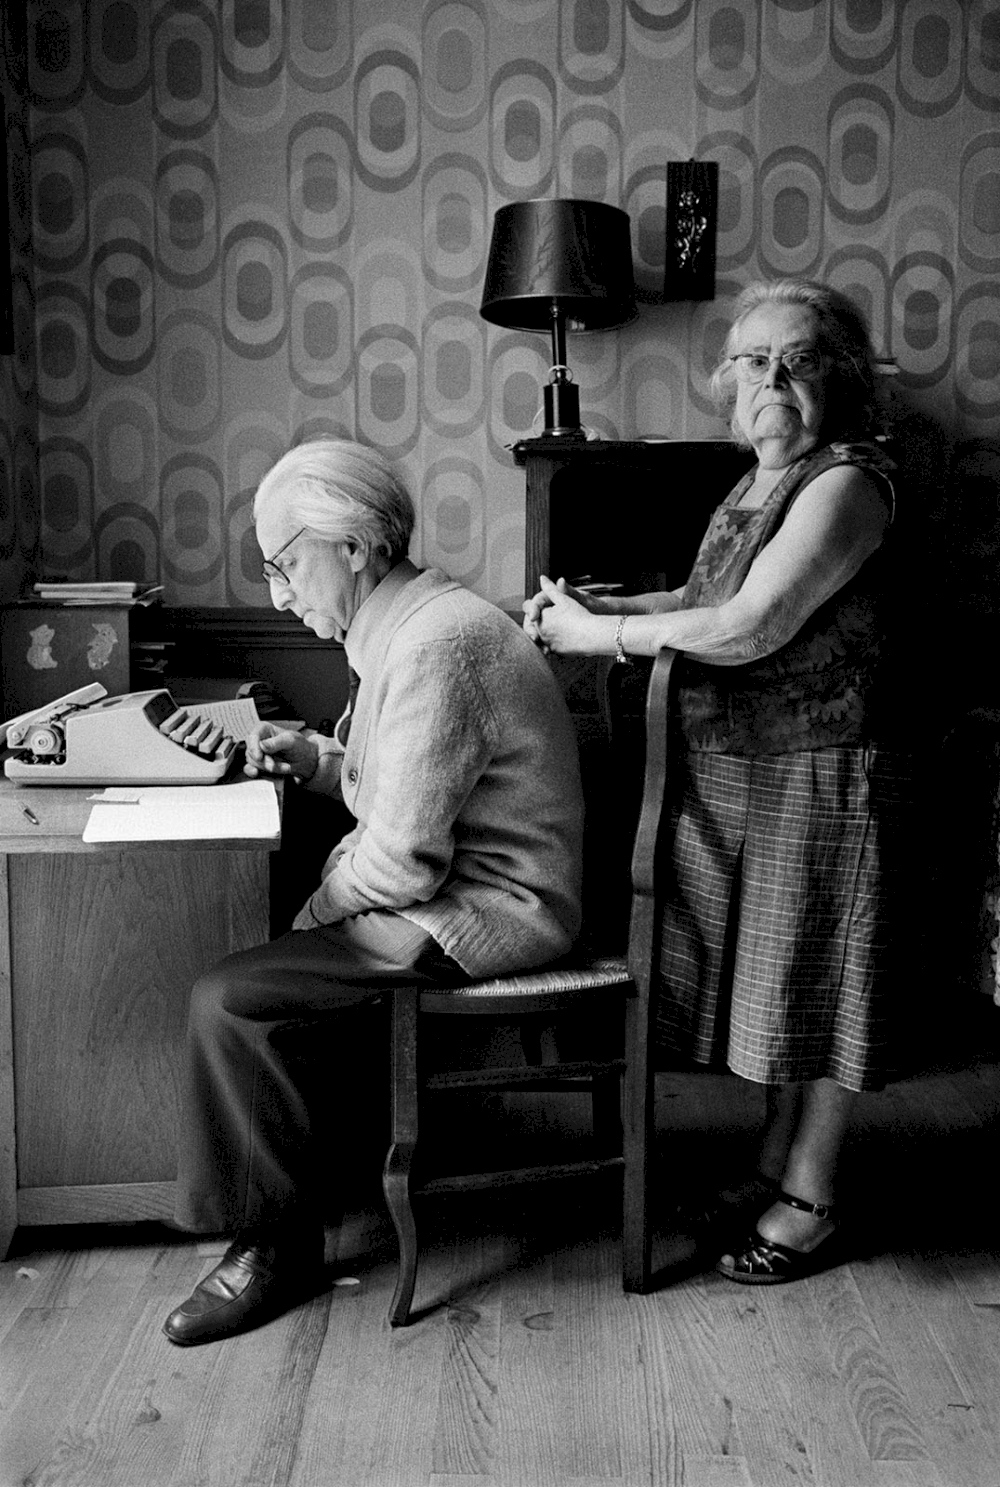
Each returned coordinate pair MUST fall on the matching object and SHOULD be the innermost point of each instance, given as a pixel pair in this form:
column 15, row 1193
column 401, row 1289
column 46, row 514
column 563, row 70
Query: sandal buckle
column 818, row 1210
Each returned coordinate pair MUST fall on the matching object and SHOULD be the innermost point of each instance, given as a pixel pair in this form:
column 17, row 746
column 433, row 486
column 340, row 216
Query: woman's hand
column 533, row 607
column 280, row 751
column 561, row 618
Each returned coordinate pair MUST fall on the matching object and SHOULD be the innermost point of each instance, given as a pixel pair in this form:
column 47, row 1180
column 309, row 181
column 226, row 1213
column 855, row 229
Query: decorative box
column 47, row 650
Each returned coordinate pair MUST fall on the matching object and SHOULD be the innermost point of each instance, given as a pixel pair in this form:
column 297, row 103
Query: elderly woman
column 458, row 761
column 774, row 935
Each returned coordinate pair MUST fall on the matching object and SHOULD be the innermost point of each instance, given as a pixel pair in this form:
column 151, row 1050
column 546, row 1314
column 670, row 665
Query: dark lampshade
column 556, row 265
column 578, row 253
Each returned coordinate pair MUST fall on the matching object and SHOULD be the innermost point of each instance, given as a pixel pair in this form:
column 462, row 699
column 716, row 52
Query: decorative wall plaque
column 692, row 202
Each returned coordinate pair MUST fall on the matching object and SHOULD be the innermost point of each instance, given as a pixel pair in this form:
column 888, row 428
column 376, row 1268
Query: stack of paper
column 185, row 813
column 115, row 593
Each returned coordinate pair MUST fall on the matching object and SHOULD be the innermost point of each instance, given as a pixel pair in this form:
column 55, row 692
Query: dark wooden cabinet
column 48, row 650
column 199, row 654
column 627, row 512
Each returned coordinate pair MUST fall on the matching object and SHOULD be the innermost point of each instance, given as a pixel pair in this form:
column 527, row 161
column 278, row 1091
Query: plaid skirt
column 776, row 929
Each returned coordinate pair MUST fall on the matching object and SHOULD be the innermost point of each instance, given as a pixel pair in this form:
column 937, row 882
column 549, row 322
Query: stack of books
column 122, row 594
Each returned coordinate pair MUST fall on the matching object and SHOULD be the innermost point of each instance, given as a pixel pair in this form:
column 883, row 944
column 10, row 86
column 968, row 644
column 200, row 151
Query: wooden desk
column 99, row 946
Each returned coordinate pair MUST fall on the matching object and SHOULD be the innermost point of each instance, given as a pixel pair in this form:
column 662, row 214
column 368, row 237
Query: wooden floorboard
column 528, row 1366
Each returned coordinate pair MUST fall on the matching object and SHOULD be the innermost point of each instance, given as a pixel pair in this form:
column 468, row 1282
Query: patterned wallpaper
column 19, row 496
column 238, row 223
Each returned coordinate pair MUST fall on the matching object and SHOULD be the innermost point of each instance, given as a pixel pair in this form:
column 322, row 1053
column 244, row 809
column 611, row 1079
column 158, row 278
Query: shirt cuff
column 329, row 760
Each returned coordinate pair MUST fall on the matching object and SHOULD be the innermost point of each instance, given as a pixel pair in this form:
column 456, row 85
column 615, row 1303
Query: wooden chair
column 621, row 1088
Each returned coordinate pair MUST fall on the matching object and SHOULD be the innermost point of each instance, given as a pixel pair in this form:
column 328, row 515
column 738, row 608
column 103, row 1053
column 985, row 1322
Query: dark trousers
column 270, row 1048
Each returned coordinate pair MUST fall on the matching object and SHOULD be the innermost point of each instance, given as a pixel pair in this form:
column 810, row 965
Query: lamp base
column 561, row 401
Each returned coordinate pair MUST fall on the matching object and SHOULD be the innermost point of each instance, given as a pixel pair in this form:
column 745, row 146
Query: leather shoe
column 257, row 1279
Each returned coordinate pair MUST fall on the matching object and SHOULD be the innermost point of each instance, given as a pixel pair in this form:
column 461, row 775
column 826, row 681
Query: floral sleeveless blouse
column 816, row 691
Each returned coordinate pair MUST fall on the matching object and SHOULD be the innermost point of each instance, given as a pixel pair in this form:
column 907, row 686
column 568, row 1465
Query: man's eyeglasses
column 271, row 569
column 801, row 366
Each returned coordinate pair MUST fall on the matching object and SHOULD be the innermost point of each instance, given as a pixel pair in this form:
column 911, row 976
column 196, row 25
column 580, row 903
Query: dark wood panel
column 627, row 512
column 202, row 652
column 197, row 652
column 47, row 650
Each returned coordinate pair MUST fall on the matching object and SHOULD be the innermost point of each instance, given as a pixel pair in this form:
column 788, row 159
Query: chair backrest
column 611, row 710
column 648, row 853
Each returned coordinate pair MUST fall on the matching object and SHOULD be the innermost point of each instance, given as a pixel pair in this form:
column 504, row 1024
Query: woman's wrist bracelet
column 619, row 648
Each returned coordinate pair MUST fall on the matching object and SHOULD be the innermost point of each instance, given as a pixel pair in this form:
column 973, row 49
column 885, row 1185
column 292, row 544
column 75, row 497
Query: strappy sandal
column 764, row 1262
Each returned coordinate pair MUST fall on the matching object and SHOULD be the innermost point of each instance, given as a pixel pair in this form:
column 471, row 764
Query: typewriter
column 139, row 738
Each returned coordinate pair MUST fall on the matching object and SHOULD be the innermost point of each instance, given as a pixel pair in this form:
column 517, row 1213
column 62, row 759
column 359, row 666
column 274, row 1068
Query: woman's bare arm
column 833, row 527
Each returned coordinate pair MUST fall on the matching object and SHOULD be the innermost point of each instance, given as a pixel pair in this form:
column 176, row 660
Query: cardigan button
column 352, row 777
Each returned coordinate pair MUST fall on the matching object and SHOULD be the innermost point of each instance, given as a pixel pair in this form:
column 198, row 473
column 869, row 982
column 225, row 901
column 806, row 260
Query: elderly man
column 457, row 759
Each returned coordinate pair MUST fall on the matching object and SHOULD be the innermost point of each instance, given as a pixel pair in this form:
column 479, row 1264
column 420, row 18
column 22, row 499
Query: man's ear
column 357, row 554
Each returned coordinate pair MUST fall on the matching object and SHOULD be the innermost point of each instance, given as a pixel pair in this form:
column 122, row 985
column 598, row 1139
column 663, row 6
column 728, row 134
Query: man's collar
column 370, row 615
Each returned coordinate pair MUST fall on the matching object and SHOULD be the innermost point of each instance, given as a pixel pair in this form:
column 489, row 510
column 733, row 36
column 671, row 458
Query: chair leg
column 639, row 1105
column 399, row 1159
column 606, row 1104
column 530, row 1034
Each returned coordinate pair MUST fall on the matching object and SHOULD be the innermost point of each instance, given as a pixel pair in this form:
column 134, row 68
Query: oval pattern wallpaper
column 240, row 223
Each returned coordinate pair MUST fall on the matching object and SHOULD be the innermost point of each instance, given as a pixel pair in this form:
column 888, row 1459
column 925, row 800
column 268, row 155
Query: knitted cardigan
column 461, row 770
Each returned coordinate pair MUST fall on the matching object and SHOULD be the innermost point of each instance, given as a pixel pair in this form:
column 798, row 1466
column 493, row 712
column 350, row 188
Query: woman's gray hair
column 852, row 398
column 342, row 491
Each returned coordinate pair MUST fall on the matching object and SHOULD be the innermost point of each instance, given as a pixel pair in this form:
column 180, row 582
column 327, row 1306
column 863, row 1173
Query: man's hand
column 280, row 751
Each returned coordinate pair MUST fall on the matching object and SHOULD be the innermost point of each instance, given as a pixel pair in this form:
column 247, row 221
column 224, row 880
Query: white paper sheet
column 177, row 813
column 237, row 715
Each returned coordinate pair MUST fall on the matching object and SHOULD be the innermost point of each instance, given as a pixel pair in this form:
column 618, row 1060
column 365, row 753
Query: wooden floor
column 535, row 1368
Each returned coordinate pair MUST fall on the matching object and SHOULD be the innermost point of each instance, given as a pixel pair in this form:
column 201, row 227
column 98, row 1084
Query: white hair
column 342, row 491
column 842, row 331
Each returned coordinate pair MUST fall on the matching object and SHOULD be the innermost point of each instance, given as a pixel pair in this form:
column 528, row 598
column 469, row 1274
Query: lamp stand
column 560, row 395
column 561, row 400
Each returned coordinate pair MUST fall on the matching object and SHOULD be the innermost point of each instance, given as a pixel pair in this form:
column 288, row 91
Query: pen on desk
column 31, row 816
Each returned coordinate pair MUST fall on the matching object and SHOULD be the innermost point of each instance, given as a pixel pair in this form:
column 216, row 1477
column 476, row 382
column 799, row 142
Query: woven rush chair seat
column 577, row 993
column 548, row 982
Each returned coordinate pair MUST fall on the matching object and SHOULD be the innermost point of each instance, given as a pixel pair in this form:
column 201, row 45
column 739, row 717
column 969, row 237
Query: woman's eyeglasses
column 272, row 571
column 801, row 366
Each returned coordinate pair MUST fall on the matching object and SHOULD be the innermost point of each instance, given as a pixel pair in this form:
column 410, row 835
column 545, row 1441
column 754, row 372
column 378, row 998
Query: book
column 71, row 586
column 111, row 593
